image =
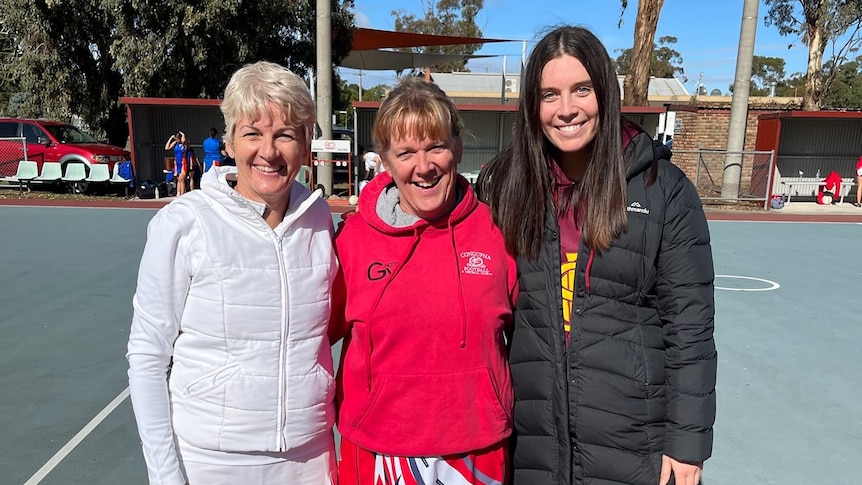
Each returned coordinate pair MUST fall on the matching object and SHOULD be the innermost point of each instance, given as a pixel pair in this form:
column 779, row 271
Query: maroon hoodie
column 424, row 366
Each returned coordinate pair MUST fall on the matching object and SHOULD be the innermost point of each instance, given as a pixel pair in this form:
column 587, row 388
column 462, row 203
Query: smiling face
column 268, row 156
column 424, row 172
column 568, row 110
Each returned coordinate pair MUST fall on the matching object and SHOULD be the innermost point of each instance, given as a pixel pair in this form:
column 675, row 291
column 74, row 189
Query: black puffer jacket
column 638, row 380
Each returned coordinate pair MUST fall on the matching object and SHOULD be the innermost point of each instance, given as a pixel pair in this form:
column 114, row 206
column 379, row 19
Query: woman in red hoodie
column 424, row 390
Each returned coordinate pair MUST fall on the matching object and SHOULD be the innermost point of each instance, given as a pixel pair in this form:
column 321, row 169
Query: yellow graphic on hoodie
column 567, row 269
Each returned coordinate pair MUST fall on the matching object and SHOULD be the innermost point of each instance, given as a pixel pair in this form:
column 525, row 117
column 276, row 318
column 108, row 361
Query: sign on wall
column 331, row 146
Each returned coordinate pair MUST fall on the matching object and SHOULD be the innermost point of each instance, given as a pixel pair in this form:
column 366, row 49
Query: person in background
column 858, row 202
column 212, row 150
column 183, row 154
column 226, row 159
column 372, row 162
column 424, row 389
column 612, row 356
column 230, row 369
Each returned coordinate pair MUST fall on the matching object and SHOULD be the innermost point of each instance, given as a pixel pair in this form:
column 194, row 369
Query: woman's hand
column 683, row 473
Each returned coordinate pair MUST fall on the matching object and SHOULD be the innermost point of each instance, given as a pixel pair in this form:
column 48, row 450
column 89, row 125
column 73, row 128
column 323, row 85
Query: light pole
column 324, row 89
column 739, row 102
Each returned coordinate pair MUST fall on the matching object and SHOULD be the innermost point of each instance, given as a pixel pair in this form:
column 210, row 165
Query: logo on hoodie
column 476, row 263
column 378, row 271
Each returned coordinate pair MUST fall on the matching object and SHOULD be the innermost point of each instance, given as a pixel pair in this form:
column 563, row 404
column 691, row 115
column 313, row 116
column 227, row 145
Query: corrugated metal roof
column 474, row 82
column 663, row 86
column 660, row 86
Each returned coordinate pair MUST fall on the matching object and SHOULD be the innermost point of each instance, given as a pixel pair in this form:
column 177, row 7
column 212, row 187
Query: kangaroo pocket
column 433, row 414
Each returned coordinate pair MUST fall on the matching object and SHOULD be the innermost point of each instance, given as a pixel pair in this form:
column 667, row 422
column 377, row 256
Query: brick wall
column 707, row 128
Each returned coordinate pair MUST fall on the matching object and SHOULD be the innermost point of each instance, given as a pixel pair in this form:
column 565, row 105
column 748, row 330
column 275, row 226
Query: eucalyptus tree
column 348, row 93
column 7, row 85
column 845, row 90
column 766, row 72
column 819, row 23
column 61, row 61
column 665, row 62
column 636, row 84
column 78, row 57
column 445, row 17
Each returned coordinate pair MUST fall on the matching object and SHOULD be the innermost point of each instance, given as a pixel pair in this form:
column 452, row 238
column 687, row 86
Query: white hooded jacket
column 238, row 312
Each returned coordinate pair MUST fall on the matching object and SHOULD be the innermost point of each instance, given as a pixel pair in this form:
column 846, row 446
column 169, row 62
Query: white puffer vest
column 252, row 368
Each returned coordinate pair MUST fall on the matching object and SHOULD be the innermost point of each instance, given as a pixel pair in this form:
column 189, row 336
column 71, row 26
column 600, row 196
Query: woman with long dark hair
column 612, row 355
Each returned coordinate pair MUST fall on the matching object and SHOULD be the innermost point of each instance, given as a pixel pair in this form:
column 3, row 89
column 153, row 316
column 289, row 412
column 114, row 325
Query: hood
column 640, row 152
column 100, row 148
column 214, row 183
column 378, row 205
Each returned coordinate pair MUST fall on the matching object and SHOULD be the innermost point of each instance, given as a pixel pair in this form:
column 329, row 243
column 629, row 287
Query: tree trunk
column 636, row 84
column 813, row 96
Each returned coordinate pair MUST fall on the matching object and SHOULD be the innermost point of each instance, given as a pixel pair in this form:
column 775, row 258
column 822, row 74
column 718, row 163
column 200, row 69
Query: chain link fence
column 12, row 150
column 720, row 175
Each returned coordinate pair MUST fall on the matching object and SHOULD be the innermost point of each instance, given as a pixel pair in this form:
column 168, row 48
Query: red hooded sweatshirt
column 832, row 184
column 424, row 367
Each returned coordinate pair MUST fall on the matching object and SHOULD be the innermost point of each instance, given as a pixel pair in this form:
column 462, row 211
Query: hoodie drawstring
column 462, row 304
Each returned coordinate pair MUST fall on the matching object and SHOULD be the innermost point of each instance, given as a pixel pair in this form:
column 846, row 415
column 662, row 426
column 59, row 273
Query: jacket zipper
column 280, row 422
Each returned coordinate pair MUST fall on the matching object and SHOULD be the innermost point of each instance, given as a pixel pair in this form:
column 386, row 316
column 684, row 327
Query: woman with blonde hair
column 230, row 370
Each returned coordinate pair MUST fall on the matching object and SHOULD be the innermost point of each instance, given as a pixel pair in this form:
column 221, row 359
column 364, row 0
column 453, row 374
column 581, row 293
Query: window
column 8, row 129
column 32, row 133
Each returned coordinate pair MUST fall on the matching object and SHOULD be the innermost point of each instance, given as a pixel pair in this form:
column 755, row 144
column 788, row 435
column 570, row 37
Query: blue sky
column 707, row 33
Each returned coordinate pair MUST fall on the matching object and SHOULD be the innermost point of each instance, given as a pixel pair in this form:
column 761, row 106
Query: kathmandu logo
column 378, row 271
column 637, row 207
column 476, row 263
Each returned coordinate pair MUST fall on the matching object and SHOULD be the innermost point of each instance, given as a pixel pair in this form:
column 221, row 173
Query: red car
column 51, row 141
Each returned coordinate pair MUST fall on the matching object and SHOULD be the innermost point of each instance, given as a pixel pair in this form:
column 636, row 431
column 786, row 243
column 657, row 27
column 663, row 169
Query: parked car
column 52, row 141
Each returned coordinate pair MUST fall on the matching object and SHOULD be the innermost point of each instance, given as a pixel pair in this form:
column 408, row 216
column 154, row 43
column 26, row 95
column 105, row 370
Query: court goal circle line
column 772, row 285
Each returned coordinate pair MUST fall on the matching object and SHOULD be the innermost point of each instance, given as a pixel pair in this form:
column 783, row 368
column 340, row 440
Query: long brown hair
column 517, row 183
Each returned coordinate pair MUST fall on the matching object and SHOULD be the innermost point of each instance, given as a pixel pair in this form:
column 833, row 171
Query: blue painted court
column 788, row 328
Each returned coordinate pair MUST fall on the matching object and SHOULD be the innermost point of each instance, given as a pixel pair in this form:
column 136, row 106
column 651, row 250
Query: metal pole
column 523, row 63
column 503, row 87
column 664, row 128
column 324, row 89
column 739, row 104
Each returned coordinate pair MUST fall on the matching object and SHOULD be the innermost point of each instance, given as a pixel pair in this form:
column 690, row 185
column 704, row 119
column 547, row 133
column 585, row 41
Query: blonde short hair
column 254, row 88
column 415, row 109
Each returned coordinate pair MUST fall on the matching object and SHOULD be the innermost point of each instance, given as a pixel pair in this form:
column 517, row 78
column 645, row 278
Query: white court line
column 37, row 206
column 783, row 222
column 77, row 439
column 772, row 285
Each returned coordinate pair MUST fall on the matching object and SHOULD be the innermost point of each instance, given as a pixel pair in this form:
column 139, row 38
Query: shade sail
column 371, row 39
column 374, row 60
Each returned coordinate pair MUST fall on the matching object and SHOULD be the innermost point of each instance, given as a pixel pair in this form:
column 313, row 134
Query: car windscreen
column 69, row 134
